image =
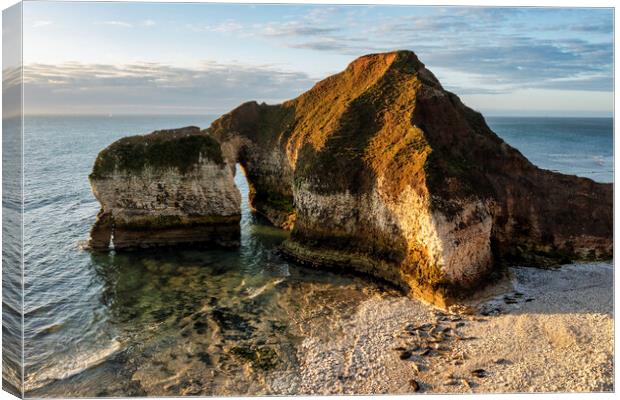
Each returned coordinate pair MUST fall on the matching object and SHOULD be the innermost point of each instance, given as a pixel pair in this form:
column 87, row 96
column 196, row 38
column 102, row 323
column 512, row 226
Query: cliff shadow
column 577, row 288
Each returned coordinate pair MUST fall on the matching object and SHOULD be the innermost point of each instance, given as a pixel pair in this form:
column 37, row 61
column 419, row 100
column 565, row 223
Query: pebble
column 405, row 355
column 424, row 334
column 510, row 300
column 436, row 330
column 461, row 309
column 414, row 385
column 415, row 347
column 479, row 373
column 436, row 338
column 490, row 311
column 415, row 367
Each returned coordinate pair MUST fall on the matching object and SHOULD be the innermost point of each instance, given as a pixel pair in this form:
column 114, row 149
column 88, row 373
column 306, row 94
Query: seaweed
column 260, row 357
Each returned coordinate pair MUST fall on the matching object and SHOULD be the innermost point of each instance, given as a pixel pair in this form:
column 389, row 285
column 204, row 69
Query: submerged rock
column 378, row 169
column 261, row 358
column 167, row 188
column 479, row 373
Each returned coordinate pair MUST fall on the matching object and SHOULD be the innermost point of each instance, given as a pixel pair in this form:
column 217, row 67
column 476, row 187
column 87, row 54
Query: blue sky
column 206, row 58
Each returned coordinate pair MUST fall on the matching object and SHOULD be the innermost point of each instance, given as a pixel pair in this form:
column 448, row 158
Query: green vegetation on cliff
column 174, row 148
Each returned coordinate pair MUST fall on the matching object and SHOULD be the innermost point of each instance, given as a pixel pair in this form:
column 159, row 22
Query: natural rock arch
column 245, row 139
column 380, row 170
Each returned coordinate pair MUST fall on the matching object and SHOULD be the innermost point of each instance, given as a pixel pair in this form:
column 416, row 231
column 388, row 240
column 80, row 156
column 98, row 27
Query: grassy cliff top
column 172, row 148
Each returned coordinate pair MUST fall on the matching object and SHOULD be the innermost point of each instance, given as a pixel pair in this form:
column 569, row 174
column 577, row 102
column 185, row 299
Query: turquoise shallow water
column 172, row 322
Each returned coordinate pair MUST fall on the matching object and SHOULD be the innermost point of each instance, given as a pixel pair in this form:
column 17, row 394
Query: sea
column 194, row 322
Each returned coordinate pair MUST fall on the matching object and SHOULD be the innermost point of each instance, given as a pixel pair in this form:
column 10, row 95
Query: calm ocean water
column 577, row 146
column 171, row 322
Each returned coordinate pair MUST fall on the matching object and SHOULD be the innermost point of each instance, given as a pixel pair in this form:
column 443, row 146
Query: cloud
column 507, row 48
column 495, row 46
column 270, row 29
column 321, row 14
column 226, row 27
column 41, row 23
column 527, row 63
column 148, row 22
column 352, row 47
column 116, row 23
column 143, row 87
column 598, row 28
column 585, row 82
column 464, row 90
column 472, row 50
column 11, row 92
column 123, row 24
column 295, row 28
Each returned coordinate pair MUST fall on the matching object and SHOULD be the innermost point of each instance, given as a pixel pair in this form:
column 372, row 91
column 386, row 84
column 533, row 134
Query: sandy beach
column 536, row 331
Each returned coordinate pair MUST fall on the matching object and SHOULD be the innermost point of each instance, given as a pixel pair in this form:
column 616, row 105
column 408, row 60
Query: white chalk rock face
column 166, row 188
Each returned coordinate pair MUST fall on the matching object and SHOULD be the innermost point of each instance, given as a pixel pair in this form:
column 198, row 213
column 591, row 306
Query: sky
column 167, row 58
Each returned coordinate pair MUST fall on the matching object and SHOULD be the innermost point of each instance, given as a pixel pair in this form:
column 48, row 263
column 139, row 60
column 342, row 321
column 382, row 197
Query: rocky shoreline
column 536, row 331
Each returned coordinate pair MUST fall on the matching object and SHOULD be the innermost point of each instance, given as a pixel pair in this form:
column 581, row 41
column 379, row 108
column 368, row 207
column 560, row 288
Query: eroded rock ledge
column 380, row 170
column 167, row 188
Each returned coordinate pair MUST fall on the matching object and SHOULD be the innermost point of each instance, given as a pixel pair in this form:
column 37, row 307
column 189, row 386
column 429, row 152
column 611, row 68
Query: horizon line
column 492, row 115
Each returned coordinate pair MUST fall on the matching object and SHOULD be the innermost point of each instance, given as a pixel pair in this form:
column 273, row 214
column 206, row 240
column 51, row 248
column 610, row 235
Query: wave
column 258, row 291
column 73, row 365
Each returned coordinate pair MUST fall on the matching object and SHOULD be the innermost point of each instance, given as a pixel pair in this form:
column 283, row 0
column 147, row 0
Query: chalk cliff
column 167, row 188
column 378, row 169
column 385, row 172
